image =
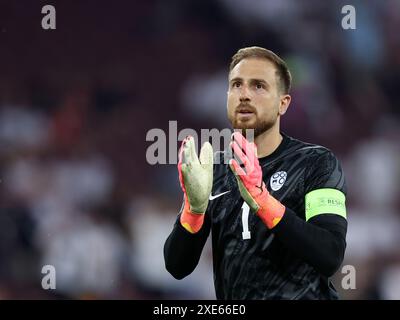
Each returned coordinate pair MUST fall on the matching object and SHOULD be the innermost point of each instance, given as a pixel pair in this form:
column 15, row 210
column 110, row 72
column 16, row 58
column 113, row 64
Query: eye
column 259, row 86
column 236, row 84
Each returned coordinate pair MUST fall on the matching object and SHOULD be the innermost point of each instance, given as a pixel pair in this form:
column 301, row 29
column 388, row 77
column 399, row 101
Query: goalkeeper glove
column 251, row 186
column 196, row 179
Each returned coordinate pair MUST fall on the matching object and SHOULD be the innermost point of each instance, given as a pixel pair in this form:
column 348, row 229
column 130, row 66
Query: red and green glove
column 252, row 188
column 196, row 179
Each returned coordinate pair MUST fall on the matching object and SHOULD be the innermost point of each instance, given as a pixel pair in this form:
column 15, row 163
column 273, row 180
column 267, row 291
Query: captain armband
column 323, row 201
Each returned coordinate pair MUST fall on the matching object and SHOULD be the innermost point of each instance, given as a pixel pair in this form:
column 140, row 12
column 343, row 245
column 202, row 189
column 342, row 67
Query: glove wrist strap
column 271, row 211
column 192, row 222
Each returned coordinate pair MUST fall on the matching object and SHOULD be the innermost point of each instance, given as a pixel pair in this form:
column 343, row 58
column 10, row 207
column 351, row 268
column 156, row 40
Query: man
column 278, row 216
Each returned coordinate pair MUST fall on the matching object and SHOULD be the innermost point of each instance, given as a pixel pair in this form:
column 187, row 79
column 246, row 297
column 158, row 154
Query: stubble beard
column 259, row 126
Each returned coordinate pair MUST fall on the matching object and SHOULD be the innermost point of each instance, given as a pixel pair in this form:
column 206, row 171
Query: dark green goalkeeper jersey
column 295, row 259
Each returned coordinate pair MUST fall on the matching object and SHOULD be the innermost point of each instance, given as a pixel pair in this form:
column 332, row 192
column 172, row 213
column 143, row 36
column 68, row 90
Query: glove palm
column 196, row 175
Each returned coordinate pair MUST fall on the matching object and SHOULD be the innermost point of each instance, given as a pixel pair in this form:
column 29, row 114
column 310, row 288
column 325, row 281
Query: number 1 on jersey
column 245, row 221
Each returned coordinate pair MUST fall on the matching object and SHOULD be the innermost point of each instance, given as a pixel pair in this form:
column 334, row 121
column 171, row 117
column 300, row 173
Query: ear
column 284, row 104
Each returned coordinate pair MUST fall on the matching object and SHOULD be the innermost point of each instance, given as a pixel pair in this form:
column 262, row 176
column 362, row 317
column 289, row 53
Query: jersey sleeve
column 182, row 249
column 325, row 186
column 321, row 239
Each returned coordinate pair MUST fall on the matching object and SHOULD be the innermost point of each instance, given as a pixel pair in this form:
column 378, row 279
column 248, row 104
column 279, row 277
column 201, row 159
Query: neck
column 268, row 141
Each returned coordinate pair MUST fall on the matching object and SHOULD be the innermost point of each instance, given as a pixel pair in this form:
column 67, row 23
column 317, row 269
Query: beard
column 258, row 125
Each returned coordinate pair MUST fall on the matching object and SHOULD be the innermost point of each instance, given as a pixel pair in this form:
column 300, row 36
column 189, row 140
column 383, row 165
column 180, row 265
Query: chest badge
column 277, row 180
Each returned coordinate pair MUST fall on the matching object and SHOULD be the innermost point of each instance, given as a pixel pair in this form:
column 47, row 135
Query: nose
column 244, row 94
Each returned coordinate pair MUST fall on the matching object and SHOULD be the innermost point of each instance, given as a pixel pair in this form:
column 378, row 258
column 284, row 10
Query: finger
column 249, row 148
column 181, row 166
column 206, row 154
column 187, row 152
column 239, row 138
column 236, row 169
column 251, row 152
column 255, row 150
column 191, row 147
column 238, row 152
column 244, row 144
column 181, row 150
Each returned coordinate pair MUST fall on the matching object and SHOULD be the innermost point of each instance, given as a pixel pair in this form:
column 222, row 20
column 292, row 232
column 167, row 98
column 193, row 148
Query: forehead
column 254, row 68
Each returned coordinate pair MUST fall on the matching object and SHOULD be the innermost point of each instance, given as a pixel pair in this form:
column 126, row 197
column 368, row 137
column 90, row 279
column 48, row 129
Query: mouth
column 245, row 108
column 245, row 112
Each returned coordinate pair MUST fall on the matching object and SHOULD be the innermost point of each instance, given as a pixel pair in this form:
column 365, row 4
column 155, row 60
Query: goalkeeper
column 276, row 210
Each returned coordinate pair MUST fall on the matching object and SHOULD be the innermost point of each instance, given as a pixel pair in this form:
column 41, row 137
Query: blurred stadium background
column 76, row 103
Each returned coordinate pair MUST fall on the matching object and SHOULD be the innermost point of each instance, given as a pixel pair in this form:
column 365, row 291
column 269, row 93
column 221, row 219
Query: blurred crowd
column 76, row 191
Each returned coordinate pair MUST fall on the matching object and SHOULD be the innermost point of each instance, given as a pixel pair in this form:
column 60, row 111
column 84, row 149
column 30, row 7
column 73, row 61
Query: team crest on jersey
column 278, row 180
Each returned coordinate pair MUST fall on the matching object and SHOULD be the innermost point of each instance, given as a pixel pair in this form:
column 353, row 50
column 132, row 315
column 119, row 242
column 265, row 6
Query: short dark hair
column 282, row 71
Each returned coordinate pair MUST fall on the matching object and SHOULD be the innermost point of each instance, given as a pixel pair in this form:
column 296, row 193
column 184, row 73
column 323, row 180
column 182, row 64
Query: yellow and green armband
column 326, row 200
